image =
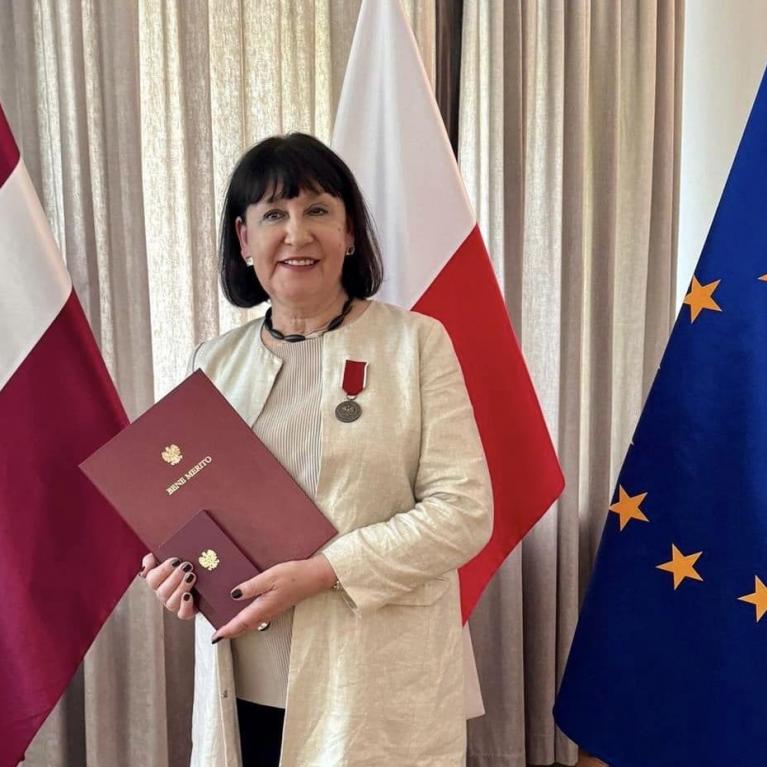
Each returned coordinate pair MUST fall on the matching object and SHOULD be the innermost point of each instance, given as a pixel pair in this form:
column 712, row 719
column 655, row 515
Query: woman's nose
column 296, row 232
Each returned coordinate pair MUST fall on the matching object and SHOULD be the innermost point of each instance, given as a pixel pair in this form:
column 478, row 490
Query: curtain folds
column 447, row 83
column 569, row 145
column 130, row 116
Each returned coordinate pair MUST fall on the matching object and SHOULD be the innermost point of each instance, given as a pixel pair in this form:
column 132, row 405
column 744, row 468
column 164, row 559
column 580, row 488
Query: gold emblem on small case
column 172, row 455
column 209, row 559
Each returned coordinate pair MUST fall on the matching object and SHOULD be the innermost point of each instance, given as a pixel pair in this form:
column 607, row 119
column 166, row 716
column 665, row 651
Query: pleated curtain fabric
column 569, row 146
column 130, row 116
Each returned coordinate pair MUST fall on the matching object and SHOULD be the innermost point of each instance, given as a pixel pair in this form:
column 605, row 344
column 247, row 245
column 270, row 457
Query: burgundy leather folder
column 219, row 565
column 190, row 452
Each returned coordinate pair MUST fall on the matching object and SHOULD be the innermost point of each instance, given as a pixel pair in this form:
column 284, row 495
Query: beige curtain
column 130, row 116
column 569, row 145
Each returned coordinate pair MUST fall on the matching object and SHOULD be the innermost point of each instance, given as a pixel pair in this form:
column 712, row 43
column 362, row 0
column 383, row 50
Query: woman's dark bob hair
column 280, row 167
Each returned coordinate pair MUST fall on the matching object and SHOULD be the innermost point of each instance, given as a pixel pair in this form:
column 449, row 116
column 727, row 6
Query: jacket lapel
column 247, row 374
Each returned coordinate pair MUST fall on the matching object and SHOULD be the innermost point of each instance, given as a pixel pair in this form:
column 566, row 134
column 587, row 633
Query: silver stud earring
column 350, row 250
column 248, row 260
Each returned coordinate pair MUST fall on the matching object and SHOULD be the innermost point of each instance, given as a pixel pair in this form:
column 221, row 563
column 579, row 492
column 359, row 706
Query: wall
column 725, row 53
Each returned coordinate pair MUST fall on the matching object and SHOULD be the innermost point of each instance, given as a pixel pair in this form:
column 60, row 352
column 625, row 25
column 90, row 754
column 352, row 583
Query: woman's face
column 298, row 246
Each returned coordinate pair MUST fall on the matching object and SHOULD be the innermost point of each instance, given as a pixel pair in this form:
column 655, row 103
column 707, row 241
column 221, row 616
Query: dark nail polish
column 187, row 597
column 217, row 639
column 189, row 578
column 237, row 593
column 187, row 567
column 175, row 563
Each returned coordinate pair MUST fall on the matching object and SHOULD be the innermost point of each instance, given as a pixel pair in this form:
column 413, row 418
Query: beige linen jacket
column 376, row 671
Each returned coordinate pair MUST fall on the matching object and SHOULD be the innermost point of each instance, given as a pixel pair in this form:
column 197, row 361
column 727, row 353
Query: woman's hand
column 278, row 589
column 172, row 582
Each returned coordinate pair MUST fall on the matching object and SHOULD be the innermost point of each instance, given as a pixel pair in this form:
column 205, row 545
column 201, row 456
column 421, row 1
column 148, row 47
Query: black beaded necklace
column 296, row 337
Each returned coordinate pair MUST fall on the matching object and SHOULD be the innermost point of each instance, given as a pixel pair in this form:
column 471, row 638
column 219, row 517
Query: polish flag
column 65, row 555
column 389, row 131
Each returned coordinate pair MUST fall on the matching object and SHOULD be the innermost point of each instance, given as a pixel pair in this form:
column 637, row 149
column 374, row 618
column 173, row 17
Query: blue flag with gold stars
column 668, row 667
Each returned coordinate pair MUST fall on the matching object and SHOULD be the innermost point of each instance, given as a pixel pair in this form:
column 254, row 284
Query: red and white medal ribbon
column 354, row 380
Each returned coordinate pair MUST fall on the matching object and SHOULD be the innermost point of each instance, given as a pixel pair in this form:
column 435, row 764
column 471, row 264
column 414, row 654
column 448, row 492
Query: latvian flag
column 65, row 556
column 389, row 131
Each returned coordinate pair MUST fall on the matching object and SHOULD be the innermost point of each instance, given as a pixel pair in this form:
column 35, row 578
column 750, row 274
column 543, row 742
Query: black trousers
column 260, row 733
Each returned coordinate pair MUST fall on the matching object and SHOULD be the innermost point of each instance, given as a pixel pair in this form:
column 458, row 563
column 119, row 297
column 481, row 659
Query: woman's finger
column 171, row 583
column 147, row 563
column 256, row 586
column 187, row 611
column 157, row 575
column 248, row 619
column 173, row 603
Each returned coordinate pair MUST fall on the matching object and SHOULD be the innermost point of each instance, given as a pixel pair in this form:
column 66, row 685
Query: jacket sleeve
column 452, row 517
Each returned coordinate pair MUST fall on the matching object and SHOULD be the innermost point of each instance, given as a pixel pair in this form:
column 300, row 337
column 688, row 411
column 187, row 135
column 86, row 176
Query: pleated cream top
column 289, row 425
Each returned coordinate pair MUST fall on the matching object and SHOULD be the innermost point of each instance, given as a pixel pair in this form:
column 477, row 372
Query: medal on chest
column 355, row 376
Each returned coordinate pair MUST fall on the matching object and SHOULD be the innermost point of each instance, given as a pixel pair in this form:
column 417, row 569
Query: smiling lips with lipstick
column 298, row 246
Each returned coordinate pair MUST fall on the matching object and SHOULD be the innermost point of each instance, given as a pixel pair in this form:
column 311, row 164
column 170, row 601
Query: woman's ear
column 349, row 242
column 242, row 235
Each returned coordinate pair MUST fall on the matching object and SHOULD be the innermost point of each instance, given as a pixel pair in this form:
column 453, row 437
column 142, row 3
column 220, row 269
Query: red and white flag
column 65, row 555
column 389, row 131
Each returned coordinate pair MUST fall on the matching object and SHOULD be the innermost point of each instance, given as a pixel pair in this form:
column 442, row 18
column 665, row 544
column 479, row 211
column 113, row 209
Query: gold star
column 681, row 566
column 627, row 507
column 700, row 297
column 758, row 598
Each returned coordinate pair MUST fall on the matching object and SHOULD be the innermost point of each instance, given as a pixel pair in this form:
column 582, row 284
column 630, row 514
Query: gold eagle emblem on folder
column 172, row 455
column 209, row 559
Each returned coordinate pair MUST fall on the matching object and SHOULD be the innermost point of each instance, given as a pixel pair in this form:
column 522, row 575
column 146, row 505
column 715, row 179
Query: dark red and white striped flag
column 65, row 555
column 389, row 131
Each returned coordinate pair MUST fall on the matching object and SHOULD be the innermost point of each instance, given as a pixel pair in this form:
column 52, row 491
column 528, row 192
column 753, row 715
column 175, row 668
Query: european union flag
column 668, row 667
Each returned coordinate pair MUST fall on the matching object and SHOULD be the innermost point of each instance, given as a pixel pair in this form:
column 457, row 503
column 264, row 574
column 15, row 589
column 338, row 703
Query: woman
column 354, row 656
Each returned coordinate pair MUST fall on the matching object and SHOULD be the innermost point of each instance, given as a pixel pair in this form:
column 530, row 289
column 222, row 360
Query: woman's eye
column 318, row 211
column 272, row 215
